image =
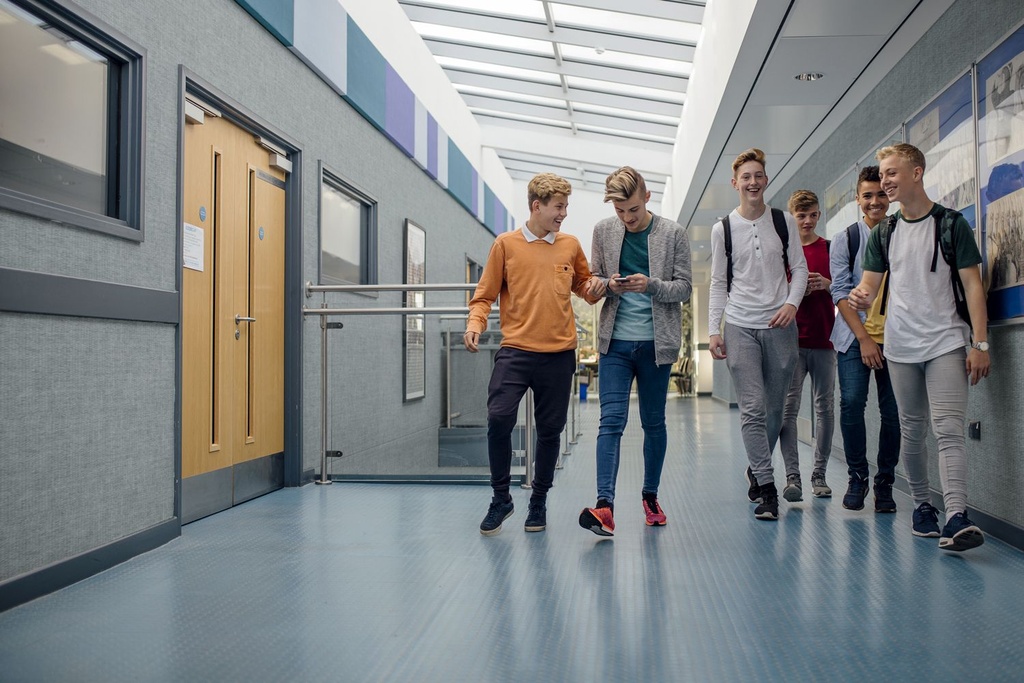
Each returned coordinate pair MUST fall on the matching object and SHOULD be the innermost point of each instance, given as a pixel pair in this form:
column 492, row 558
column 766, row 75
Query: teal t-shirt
column 634, row 319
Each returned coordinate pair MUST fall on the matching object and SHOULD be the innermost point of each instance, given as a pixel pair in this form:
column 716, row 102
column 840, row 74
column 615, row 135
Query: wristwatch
column 981, row 346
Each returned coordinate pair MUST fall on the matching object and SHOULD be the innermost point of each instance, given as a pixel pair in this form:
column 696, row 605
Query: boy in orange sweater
column 534, row 270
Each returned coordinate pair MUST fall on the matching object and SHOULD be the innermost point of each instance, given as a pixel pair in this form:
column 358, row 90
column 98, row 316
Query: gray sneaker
column 818, row 486
column 794, row 491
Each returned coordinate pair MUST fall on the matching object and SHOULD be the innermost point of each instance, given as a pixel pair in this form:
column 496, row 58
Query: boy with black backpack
column 758, row 277
column 858, row 337
column 932, row 351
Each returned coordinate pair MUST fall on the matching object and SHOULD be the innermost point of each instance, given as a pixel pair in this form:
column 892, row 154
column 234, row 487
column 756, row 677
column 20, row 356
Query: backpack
column 779, row 221
column 853, row 242
column 944, row 244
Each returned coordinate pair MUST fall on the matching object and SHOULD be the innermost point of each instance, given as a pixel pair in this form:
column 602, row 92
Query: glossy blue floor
column 384, row 582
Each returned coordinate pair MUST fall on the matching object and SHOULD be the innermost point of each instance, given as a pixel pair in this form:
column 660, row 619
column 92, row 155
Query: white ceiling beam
column 538, row 30
column 603, row 150
column 627, row 126
column 692, row 13
column 522, row 60
column 514, row 85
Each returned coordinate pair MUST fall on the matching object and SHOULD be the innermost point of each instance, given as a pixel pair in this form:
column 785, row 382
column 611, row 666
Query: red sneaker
column 599, row 520
column 653, row 512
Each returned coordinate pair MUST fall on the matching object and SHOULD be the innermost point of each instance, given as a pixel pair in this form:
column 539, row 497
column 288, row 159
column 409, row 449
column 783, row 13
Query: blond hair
column 622, row 184
column 802, row 200
column 904, row 151
column 544, row 186
column 752, row 154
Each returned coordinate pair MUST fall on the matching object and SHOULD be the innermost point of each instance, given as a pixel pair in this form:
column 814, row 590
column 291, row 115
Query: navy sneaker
column 884, row 501
column 768, row 508
column 794, row 491
column 926, row 521
column 497, row 513
column 754, row 491
column 856, row 492
column 537, row 518
column 960, row 533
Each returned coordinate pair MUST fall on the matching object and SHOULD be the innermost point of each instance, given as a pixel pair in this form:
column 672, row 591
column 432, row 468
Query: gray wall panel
column 86, row 435
column 995, row 481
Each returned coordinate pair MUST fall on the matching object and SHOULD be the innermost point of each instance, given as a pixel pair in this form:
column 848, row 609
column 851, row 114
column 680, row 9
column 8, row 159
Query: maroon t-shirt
column 817, row 313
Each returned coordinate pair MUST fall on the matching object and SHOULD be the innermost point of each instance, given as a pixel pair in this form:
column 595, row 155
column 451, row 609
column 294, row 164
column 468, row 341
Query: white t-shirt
column 921, row 321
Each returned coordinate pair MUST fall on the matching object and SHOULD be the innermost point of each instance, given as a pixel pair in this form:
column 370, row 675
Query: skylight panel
column 673, row 67
column 587, row 108
column 483, row 38
column 489, row 68
column 618, row 132
column 627, row 89
column 620, row 22
column 529, row 9
column 509, row 95
column 520, row 117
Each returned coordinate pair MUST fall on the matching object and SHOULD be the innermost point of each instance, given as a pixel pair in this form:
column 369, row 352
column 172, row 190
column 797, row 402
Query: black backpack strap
column 853, row 244
column 727, row 235
column 779, row 221
column 885, row 234
column 944, row 243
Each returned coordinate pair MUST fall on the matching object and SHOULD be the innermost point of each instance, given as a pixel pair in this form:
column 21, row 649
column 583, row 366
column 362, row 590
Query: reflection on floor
column 380, row 582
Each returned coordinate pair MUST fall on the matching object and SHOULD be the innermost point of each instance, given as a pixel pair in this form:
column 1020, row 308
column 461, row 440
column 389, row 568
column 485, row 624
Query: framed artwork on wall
column 944, row 131
column 841, row 204
column 1000, row 101
column 414, row 326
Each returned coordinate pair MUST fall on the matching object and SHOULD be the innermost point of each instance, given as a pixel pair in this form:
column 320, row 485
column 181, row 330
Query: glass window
column 347, row 233
column 70, row 119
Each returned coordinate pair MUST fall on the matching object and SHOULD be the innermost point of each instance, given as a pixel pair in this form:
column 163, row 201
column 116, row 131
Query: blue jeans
column 854, row 377
column 625, row 361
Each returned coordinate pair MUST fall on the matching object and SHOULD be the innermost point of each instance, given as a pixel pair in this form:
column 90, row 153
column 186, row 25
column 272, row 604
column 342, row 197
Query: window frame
column 368, row 249
column 126, row 98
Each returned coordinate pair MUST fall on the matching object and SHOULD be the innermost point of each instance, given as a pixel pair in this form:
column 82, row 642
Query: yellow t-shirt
column 874, row 325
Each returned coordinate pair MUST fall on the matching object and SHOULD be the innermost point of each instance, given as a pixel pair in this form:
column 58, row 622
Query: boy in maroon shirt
column 814, row 320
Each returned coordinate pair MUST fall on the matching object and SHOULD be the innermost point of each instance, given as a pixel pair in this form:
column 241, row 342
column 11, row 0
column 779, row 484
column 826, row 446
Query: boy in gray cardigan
column 644, row 261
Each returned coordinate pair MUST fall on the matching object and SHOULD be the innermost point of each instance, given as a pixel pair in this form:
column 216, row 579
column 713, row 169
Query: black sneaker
column 926, row 521
column 960, row 533
column 768, row 508
column 537, row 517
column 497, row 513
column 856, row 492
column 883, row 498
column 754, row 491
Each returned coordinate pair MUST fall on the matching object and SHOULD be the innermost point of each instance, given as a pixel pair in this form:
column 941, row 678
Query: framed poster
column 944, row 131
column 1001, row 170
column 414, row 330
column 841, row 204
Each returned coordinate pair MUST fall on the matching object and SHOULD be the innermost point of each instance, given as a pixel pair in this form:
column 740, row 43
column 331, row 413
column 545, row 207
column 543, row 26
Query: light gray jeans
column 820, row 364
column 939, row 387
column 761, row 363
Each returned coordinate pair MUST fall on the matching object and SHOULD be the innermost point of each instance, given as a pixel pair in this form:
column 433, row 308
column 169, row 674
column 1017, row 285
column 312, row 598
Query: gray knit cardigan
column 668, row 247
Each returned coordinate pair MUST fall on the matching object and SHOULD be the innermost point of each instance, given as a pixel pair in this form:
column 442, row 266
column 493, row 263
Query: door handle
column 244, row 319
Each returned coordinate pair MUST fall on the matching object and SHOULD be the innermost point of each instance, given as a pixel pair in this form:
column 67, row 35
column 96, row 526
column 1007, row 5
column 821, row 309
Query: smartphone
column 621, row 280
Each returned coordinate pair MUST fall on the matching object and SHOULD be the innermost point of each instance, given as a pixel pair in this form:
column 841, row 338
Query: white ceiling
column 581, row 87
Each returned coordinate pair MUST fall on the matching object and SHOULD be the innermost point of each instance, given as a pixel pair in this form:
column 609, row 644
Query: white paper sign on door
column 192, row 247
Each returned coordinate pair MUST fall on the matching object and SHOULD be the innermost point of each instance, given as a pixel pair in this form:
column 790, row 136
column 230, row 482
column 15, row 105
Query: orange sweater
column 534, row 281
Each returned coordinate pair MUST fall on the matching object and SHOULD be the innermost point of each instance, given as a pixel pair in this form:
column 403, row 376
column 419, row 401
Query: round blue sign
column 202, row 213
column 261, row 232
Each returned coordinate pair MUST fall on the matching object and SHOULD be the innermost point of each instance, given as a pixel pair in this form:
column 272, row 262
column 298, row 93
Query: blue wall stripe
column 333, row 45
column 366, row 76
column 399, row 111
column 277, row 16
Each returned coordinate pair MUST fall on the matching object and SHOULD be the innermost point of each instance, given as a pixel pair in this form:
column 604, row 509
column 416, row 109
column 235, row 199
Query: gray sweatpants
column 820, row 364
column 761, row 363
column 938, row 386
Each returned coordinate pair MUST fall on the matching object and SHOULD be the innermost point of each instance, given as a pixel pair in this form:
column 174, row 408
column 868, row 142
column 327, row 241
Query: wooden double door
column 232, row 394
